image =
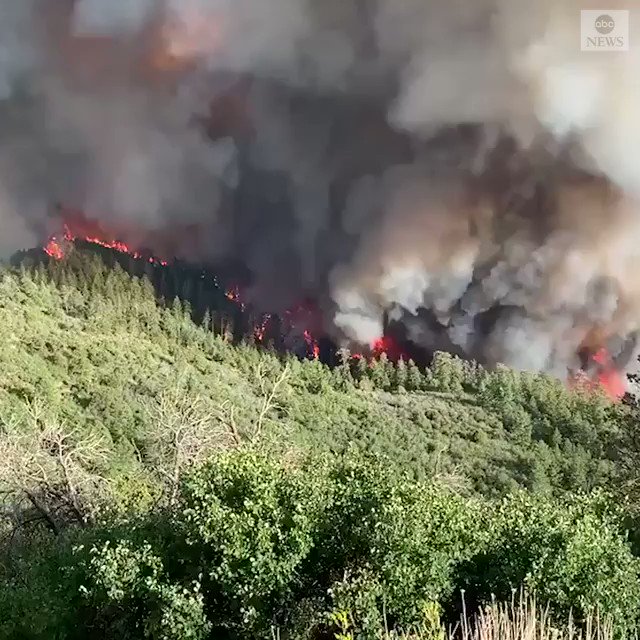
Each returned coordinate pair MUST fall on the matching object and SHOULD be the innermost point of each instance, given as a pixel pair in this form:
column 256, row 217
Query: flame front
column 599, row 372
column 77, row 227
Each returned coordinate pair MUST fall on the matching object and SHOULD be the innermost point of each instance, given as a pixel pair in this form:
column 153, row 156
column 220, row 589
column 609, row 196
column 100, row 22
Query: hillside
column 94, row 346
column 162, row 481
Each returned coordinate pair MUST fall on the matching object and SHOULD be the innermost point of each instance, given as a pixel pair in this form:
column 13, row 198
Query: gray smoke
column 461, row 167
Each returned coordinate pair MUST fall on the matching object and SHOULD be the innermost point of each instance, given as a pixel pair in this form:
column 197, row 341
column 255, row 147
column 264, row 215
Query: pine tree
column 206, row 320
column 360, row 369
column 344, row 367
column 400, row 376
column 447, row 371
column 380, row 373
column 176, row 307
column 414, row 377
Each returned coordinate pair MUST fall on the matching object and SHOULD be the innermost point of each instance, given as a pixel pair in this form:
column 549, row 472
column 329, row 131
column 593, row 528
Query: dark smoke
column 458, row 166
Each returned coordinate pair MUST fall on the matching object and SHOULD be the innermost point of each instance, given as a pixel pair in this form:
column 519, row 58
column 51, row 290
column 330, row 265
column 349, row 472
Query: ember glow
column 312, row 344
column 233, row 294
column 390, row 347
column 260, row 330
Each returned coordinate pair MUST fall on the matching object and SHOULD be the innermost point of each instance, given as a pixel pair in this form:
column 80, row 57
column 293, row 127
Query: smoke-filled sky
column 458, row 164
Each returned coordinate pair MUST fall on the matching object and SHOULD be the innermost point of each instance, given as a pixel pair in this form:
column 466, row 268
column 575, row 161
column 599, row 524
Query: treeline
column 213, row 296
column 161, row 481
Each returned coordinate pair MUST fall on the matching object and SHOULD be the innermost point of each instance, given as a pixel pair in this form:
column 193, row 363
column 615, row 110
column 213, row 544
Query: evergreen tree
column 380, row 372
column 414, row 377
column 448, row 372
column 400, row 377
column 206, row 320
column 344, row 367
column 361, row 369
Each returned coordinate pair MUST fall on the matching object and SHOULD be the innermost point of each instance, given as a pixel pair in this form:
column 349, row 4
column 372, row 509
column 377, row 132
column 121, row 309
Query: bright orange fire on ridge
column 602, row 372
column 55, row 247
column 609, row 378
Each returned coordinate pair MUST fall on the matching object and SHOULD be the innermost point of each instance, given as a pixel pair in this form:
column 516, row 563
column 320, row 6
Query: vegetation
column 165, row 480
column 252, row 544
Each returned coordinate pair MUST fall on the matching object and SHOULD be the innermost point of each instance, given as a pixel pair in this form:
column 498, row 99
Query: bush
column 248, row 522
column 323, row 545
column 571, row 553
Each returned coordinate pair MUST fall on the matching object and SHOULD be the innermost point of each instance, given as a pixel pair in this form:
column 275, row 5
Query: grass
column 521, row 619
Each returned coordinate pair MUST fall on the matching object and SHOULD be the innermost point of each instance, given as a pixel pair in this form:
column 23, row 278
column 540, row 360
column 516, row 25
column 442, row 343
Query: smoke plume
column 460, row 168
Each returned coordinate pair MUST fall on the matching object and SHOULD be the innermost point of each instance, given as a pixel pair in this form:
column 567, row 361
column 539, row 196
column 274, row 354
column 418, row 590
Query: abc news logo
column 604, row 30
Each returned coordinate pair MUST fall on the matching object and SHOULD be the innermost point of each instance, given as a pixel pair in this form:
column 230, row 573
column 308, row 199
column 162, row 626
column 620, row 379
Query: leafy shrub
column 344, row 544
column 570, row 552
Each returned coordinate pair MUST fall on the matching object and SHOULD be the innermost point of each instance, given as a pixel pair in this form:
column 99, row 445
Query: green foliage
column 130, row 594
column 251, row 522
column 93, row 345
column 372, row 492
column 253, row 541
column 447, row 372
column 571, row 552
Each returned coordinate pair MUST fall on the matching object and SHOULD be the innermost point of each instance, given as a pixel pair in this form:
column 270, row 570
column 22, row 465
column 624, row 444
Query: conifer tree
column 344, row 367
column 414, row 377
column 380, row 372
column 360, row 369
column 206, row 320
column 400, row 376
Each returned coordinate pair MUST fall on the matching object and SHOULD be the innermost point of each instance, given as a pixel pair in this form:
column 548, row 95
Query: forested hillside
column 161, row 481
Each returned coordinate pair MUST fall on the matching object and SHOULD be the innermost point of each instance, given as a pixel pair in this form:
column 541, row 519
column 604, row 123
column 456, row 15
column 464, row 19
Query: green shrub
column 570, row 552
column 131, row 595
column 248, row 522
column 319, row 545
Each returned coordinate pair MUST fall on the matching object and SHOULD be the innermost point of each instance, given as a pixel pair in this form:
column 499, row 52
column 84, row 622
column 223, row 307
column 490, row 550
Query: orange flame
column 260, row 330
column 609, row 378
column 600, row 374
column 312, row 344
column 55, row 249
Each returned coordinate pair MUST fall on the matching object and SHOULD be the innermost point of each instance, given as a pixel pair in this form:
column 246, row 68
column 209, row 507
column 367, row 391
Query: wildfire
column 233, row 294
column 260, row 330
column 304, row 321
column 312, row 344
column 57, row 246
column 608, row 376
column 600, row 373
column 390, row 348
column 54, row 249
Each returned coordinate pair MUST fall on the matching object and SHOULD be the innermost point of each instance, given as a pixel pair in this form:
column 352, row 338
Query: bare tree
column 183, row 432
column 57, row 469
column 270, row 393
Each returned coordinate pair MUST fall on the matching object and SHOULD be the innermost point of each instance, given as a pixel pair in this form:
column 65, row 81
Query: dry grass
column 521, row 619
